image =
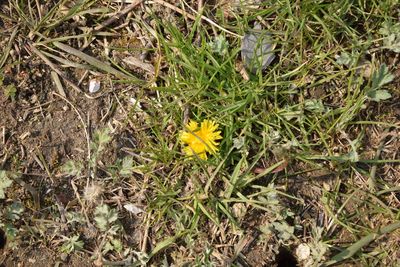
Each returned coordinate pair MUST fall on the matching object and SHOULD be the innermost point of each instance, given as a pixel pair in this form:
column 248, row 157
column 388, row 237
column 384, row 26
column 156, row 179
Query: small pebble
column 94, row 86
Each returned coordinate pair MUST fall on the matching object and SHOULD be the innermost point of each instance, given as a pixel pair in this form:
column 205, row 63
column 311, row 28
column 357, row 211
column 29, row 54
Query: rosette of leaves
column 219, row 45
column 106, row 218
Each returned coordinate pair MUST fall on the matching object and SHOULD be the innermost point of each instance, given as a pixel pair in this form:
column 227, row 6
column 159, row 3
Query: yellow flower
column 201, row 140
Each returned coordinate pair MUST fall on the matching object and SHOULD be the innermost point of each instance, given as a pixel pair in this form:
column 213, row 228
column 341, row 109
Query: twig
column 127, row 262
column 39, row 10
column 200, row 5
column 135, row 62
column 40, row 105
column 4, row 135
column 61, row 209
column 243, row 244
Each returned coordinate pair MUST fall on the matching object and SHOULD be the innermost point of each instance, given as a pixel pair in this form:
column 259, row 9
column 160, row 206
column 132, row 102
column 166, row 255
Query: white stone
column 133, row 208
column 303, row 252
column 94, row 86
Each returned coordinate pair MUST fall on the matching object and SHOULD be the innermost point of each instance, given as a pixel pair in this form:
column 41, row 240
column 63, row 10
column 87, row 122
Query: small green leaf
column 381, row 77
column 117, row 245
column 72, row 244
column 219, row 45
column 265, row 229
column 345, row 59
column 378, row 95
column 238, row 142
column 391, row 35
column 74, row 217
column 14, row 211
column 100, row 139
column 10, row 91
column 285, row 231
column 314, row 105
column 107, row 247
column 11, row 231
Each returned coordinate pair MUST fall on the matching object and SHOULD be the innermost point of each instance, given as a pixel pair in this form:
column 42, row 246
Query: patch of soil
column 32, row 257
column 39, row 132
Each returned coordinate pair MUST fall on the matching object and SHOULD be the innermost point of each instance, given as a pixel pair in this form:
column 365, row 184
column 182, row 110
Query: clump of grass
column 270, row 113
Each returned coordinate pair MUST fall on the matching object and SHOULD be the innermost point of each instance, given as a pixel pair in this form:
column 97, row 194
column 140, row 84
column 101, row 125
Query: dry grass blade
column 68, row 63
column 5, row 17
column 243, row 244
column 7, row 50
column 58, row 84
column 53, row 67
column 371, row 179
column 92, row 61
column 140, row 64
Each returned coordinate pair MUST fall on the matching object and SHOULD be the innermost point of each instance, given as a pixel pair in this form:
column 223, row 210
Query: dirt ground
column 40, row 130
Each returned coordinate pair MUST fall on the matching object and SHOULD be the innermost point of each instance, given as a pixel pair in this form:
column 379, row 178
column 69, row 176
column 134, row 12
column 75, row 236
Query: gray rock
column 257, row 50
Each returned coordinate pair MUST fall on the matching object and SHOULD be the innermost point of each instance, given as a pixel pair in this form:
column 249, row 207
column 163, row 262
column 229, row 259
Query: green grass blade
column 353, row 249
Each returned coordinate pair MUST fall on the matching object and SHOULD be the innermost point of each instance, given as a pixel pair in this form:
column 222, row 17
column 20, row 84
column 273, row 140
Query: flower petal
column 192, row 126
column 201, row 140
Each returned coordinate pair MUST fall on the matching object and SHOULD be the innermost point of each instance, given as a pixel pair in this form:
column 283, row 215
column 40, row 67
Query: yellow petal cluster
column 200, row 140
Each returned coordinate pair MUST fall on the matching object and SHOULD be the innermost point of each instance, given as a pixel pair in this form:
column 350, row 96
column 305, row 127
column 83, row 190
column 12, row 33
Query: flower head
column 200, row 140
